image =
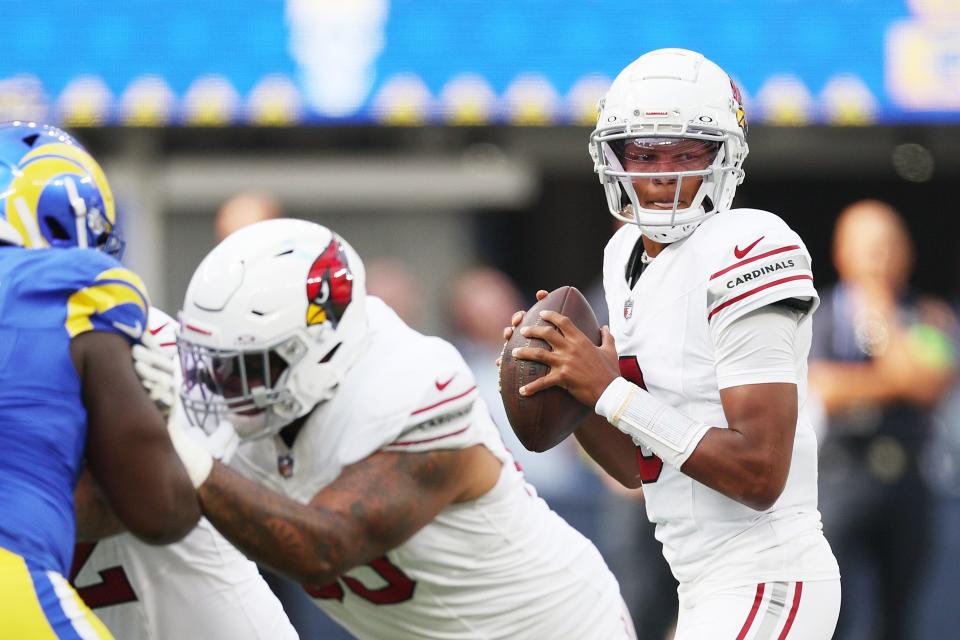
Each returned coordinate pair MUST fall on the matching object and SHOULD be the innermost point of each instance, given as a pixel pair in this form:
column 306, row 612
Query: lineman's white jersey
column 199, row 588
column 665, row 330
column 501, row 566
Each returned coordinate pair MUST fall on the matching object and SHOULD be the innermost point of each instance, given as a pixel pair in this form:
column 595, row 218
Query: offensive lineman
column 711, row 319
column 376, row 476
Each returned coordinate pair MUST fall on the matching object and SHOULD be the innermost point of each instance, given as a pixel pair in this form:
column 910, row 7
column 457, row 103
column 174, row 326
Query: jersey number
column 399, row 587
column 650, row 465
column 113, row 588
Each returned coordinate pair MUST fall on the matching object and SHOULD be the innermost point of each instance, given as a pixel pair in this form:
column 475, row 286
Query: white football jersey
column 199, row 588
column 501, row 566
column 665, row 329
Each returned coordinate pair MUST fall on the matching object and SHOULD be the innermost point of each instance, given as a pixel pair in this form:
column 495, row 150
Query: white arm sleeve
column 758, row 347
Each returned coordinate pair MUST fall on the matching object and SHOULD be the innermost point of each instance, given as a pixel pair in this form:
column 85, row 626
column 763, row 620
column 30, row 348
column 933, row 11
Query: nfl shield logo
column 285, row 465
column 627, row 308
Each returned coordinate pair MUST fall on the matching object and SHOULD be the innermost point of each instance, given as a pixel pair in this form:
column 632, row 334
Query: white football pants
column 766, row 611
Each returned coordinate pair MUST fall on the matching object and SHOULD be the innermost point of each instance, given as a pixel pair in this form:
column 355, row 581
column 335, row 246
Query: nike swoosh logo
column 154, row 332
column 740, row 253
column 443, row 385
column 134, row 330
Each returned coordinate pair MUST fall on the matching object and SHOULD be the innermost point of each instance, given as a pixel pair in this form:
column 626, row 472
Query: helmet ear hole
column 56, row 229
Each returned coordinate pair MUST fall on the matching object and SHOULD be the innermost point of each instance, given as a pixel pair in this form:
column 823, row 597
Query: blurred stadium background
column 446, row 135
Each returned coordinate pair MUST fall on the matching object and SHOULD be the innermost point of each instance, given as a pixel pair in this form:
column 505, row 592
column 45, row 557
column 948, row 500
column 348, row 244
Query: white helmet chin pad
column 273, row 318
column 671, row 107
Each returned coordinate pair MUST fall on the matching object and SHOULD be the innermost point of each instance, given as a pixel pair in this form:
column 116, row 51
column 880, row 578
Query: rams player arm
column 95, row 518
column 374, row 505
column 128, row 450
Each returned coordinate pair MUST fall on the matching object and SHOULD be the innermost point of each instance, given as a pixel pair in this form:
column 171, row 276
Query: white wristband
column 652, row 423
column 197, row 460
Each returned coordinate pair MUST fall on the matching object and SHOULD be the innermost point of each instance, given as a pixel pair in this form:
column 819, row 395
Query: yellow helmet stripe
column 27, row 186
column 90, row 165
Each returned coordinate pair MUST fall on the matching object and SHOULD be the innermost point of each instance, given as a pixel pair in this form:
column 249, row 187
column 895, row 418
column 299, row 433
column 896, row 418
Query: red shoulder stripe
column 437, row 404
column 747, row 294
column 407, row 443
column 756, row 257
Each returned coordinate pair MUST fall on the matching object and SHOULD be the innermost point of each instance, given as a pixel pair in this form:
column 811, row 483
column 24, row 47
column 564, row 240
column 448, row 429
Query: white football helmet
column 671, row 100
column 272, row 319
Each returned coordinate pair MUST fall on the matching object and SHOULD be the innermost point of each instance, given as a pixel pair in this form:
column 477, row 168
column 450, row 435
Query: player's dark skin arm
column 128, row 450
column 95, row 517
column 373, row 506
column 609, row 447
column 747, row 462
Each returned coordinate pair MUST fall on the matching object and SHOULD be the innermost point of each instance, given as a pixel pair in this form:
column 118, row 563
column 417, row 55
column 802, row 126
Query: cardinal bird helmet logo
column 329, row 286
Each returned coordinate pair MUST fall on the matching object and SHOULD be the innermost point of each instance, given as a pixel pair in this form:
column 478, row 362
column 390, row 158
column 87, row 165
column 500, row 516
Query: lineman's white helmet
column 671, row 98
column 272, row 319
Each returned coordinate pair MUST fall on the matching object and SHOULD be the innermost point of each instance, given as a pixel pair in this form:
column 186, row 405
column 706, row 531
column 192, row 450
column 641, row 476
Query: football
column 543, row 420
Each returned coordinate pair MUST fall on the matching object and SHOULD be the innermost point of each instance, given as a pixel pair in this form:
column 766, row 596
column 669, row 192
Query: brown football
column 543, row 420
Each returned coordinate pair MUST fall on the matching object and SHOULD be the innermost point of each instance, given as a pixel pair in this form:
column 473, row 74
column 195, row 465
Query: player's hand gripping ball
column 546, row 418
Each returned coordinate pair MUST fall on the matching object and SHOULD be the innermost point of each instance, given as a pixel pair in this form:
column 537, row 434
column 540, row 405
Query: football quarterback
column 706, row 368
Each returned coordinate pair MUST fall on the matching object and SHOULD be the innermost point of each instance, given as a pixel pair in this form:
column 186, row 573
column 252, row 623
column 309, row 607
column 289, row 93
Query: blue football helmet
column 52, row 192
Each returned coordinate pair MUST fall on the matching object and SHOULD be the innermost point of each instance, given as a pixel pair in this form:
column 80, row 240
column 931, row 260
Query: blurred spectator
column 881, row 359
column 244, row 209
column 393, row 281
column 481, row 303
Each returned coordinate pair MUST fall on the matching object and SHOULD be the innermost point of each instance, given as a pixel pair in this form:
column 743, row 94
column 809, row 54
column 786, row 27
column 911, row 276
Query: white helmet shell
column 272, row 319
column 664, row 94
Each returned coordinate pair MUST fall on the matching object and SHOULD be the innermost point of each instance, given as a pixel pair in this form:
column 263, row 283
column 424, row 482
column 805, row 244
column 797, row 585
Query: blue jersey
column 48, row 297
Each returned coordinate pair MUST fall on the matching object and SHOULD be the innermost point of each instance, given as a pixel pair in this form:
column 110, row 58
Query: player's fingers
column 536, row 354
column 561, row 322
column 606, row 341
column 507, row 333
column 544, row 332
column 149, row 358
column 544, row 382
column 517, row 318
column 542, row 293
